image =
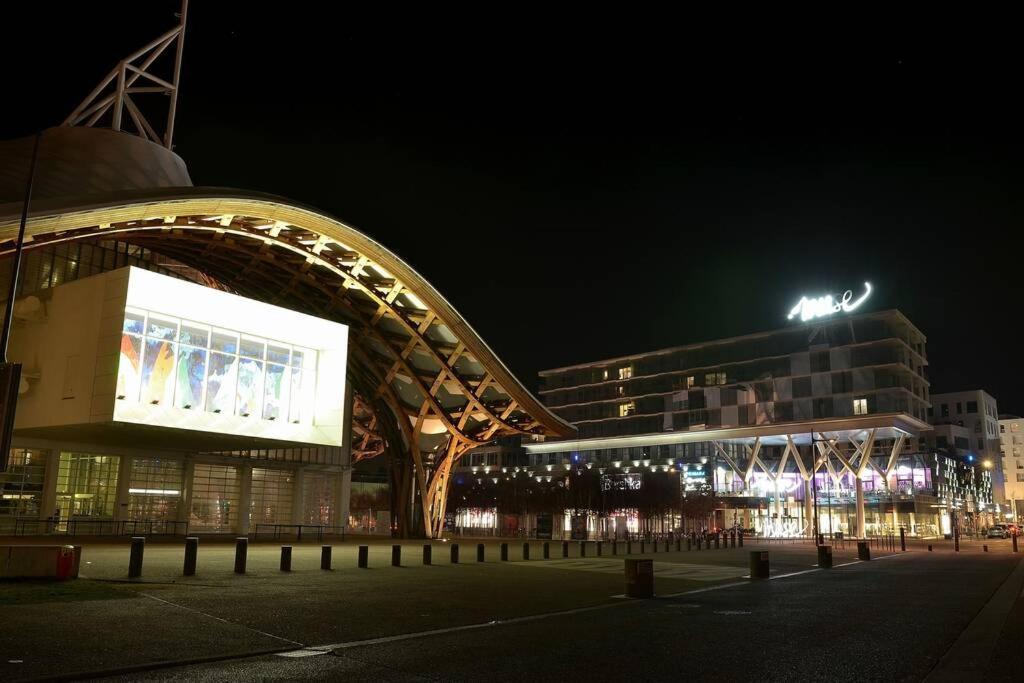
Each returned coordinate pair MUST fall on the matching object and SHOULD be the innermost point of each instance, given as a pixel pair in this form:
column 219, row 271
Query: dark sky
column 581, row 187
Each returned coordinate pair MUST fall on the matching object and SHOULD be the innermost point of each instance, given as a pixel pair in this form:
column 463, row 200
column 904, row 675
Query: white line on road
column 232, row 623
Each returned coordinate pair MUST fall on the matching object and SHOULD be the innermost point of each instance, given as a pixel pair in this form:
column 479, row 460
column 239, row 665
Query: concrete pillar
column 861, row 525
column 244, row 499
column 188, row 473
column 778, row 502
column 124, row 476
column 343, row 498
column 49, row 502
column 299, row 496
column 809, row 506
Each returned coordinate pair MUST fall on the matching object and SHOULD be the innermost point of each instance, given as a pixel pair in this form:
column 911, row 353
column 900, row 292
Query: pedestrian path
column 665, row 570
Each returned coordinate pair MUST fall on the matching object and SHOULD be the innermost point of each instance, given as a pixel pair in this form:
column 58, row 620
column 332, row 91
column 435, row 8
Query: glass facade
column 87, row 485
column 272, row 495
column 319, row 498
column 192, row 366
column 21, row 487
column 155, row 489
column 215, row 498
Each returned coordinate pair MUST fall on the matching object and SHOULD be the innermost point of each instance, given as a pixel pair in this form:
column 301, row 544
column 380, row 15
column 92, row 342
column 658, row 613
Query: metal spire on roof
column 102, row 100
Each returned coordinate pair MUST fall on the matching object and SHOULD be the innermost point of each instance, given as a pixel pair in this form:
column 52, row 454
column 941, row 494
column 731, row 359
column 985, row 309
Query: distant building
column 972, row 415
column 1011, row 445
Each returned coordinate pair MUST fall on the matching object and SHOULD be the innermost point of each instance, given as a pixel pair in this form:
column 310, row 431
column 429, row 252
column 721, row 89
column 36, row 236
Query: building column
column 809, row 507
column 343, row 496
column 244, row 499
column 48, row 504
column 299, row 496
column 188, row 473
column 124, row 476
column 861, row 524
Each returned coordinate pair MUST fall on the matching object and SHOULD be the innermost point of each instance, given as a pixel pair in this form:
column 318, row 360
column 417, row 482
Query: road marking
column 220, row 619
column 662, row 570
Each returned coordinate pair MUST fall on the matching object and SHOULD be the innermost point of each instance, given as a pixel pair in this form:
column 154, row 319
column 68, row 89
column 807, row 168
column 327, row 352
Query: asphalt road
column 898, row 617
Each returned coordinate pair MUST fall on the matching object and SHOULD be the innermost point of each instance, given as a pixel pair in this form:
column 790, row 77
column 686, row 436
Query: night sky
column 581, row 188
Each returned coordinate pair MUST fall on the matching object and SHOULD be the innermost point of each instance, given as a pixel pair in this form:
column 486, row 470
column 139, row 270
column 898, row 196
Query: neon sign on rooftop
column 824, row 306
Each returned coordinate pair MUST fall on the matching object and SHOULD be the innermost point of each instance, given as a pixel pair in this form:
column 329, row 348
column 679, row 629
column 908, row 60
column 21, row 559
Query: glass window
column 190, row 377
column 195, row 335
column 860, row 406
column 21, row 487
column 272, row 492
column 154, row 490
column 134, row 323
column 972, row 406
column 160, row 328
column 214, row 498
column 318, row 495
column 626, row 372
column 157, row 370
column 87, row 485
column 250, row 387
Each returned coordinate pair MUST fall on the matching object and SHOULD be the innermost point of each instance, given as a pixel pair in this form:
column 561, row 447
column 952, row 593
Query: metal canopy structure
column 428, row 388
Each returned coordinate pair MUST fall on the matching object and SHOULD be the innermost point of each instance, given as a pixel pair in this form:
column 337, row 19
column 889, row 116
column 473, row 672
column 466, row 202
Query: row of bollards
column 138, row 544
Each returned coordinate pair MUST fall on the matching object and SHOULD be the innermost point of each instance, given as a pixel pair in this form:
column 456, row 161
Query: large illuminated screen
column 196, row 358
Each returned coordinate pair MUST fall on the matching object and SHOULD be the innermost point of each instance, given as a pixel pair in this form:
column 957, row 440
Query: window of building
column 1014, row 427
column 154, row 489
column 972, row 407
column 981, row 444
column 318, row 494
column 627, row 409
column 860, row 406
column 1020, row 477
column 620, row 390
column 604, row 374
column 714, row 378
column 166, row 361
column 945, row 410
column 626, row 372
column 87, row 485
column 820, row 361
column 21, row 487
column 272, row 494
column 691, row 381
column 941, row 442
column 215, row 496
column 959, row 408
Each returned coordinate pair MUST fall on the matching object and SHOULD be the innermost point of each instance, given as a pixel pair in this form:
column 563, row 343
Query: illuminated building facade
column 827, row 414
column 209, row 412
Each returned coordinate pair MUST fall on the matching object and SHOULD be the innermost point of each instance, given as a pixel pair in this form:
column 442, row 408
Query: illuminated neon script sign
column 824, row 306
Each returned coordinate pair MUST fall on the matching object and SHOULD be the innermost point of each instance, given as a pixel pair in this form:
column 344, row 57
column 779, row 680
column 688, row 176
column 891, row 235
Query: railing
column 311, row 531
column 27, row 526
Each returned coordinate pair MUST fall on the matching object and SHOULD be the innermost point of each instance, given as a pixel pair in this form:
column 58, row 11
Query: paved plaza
column 901, row 616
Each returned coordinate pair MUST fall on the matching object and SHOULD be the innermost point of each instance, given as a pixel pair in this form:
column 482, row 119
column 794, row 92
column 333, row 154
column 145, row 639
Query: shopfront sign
column 825, row 306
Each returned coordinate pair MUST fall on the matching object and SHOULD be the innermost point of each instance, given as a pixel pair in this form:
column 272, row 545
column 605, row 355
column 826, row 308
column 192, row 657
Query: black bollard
column 654, row 545
column 427, row 552
column 615, row 547
column 863, row 551
column 642, row 544
column 565, row 548
column 325, row 557
column 903, row 539
column 688, row 547
column 825, row 556
column 929, row 547
column 679, row 544
column 364, row 557
column 241, row 552
column 396, row 556
column 759, row 564
column 733, row 535
column 286, row 558
column 984, row 548
column 741, row 539
column 599, row 548
column 707, row 543
column 956, row 542
column 547, row 550
column 455, row 553
column 191, row 555
column 629, row 547
column 717, row 546
column 526, row 551
column 479, row 552
column 583, row 548
column 135, row 558
column 504, row 552
column 1014, row 537
column 640, row 578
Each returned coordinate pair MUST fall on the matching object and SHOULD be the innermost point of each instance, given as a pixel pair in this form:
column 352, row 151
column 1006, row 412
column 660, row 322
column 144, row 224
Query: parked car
column 999, row 531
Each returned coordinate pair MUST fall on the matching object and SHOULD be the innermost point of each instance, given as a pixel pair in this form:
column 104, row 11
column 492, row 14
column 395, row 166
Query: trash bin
column 67, row 562
column 639, row 578
column 825, row 556
column 759, row 564
column 863, row 551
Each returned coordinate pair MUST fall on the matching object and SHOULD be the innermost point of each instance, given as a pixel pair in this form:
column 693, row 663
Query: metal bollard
column 599, row 548
column 717, row 546
column 697, row 544
column 863, row 551
column 688, row 547
column 629, row 547
column 759, row 564
column 286, row 558
column 654, row 545
column 364, row 557
column 741, row 539
column 547, row 550
column 825, row 556
column 565, row 548
column 929, row 547
column 396, row 556
column 479, row 552
column 642, row 544
column 903, row 539
column 241, row 552
column 455, row 553
column 733, row 539
column 707, row 543
column 984, row 548
column 1014, row 537
column 679, row 544
column 191, row 555
column 325, row 557
column 526, row 551
column 583, row 548
column 615, row 547
column 135, row 558
column 504, row 552
column 427, row 552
